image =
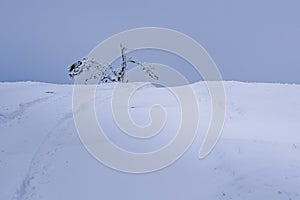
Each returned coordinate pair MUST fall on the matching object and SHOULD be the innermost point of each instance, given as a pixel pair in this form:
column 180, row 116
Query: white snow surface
column 257, row 156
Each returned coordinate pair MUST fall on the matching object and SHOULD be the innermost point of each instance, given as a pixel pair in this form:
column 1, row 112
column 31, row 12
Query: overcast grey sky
column 257, row 40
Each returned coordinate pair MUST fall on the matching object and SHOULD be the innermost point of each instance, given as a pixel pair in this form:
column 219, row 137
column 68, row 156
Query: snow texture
column 257, row 156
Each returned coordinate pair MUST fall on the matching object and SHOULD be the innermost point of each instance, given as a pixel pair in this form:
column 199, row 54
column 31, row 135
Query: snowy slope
column 257, row 157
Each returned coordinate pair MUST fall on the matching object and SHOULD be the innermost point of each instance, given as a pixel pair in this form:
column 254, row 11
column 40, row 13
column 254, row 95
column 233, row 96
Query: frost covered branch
column 104, row 72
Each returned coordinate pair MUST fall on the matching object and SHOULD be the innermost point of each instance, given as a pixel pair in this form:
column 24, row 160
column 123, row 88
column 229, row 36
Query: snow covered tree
column 105, row 72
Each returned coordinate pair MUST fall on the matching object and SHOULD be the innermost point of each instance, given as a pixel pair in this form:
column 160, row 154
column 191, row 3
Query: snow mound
column 257, row 156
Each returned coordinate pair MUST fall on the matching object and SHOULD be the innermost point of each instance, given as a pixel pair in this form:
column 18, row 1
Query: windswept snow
column 257, row 156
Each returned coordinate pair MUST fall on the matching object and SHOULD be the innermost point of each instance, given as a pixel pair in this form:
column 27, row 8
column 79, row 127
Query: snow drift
column 257, row 156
